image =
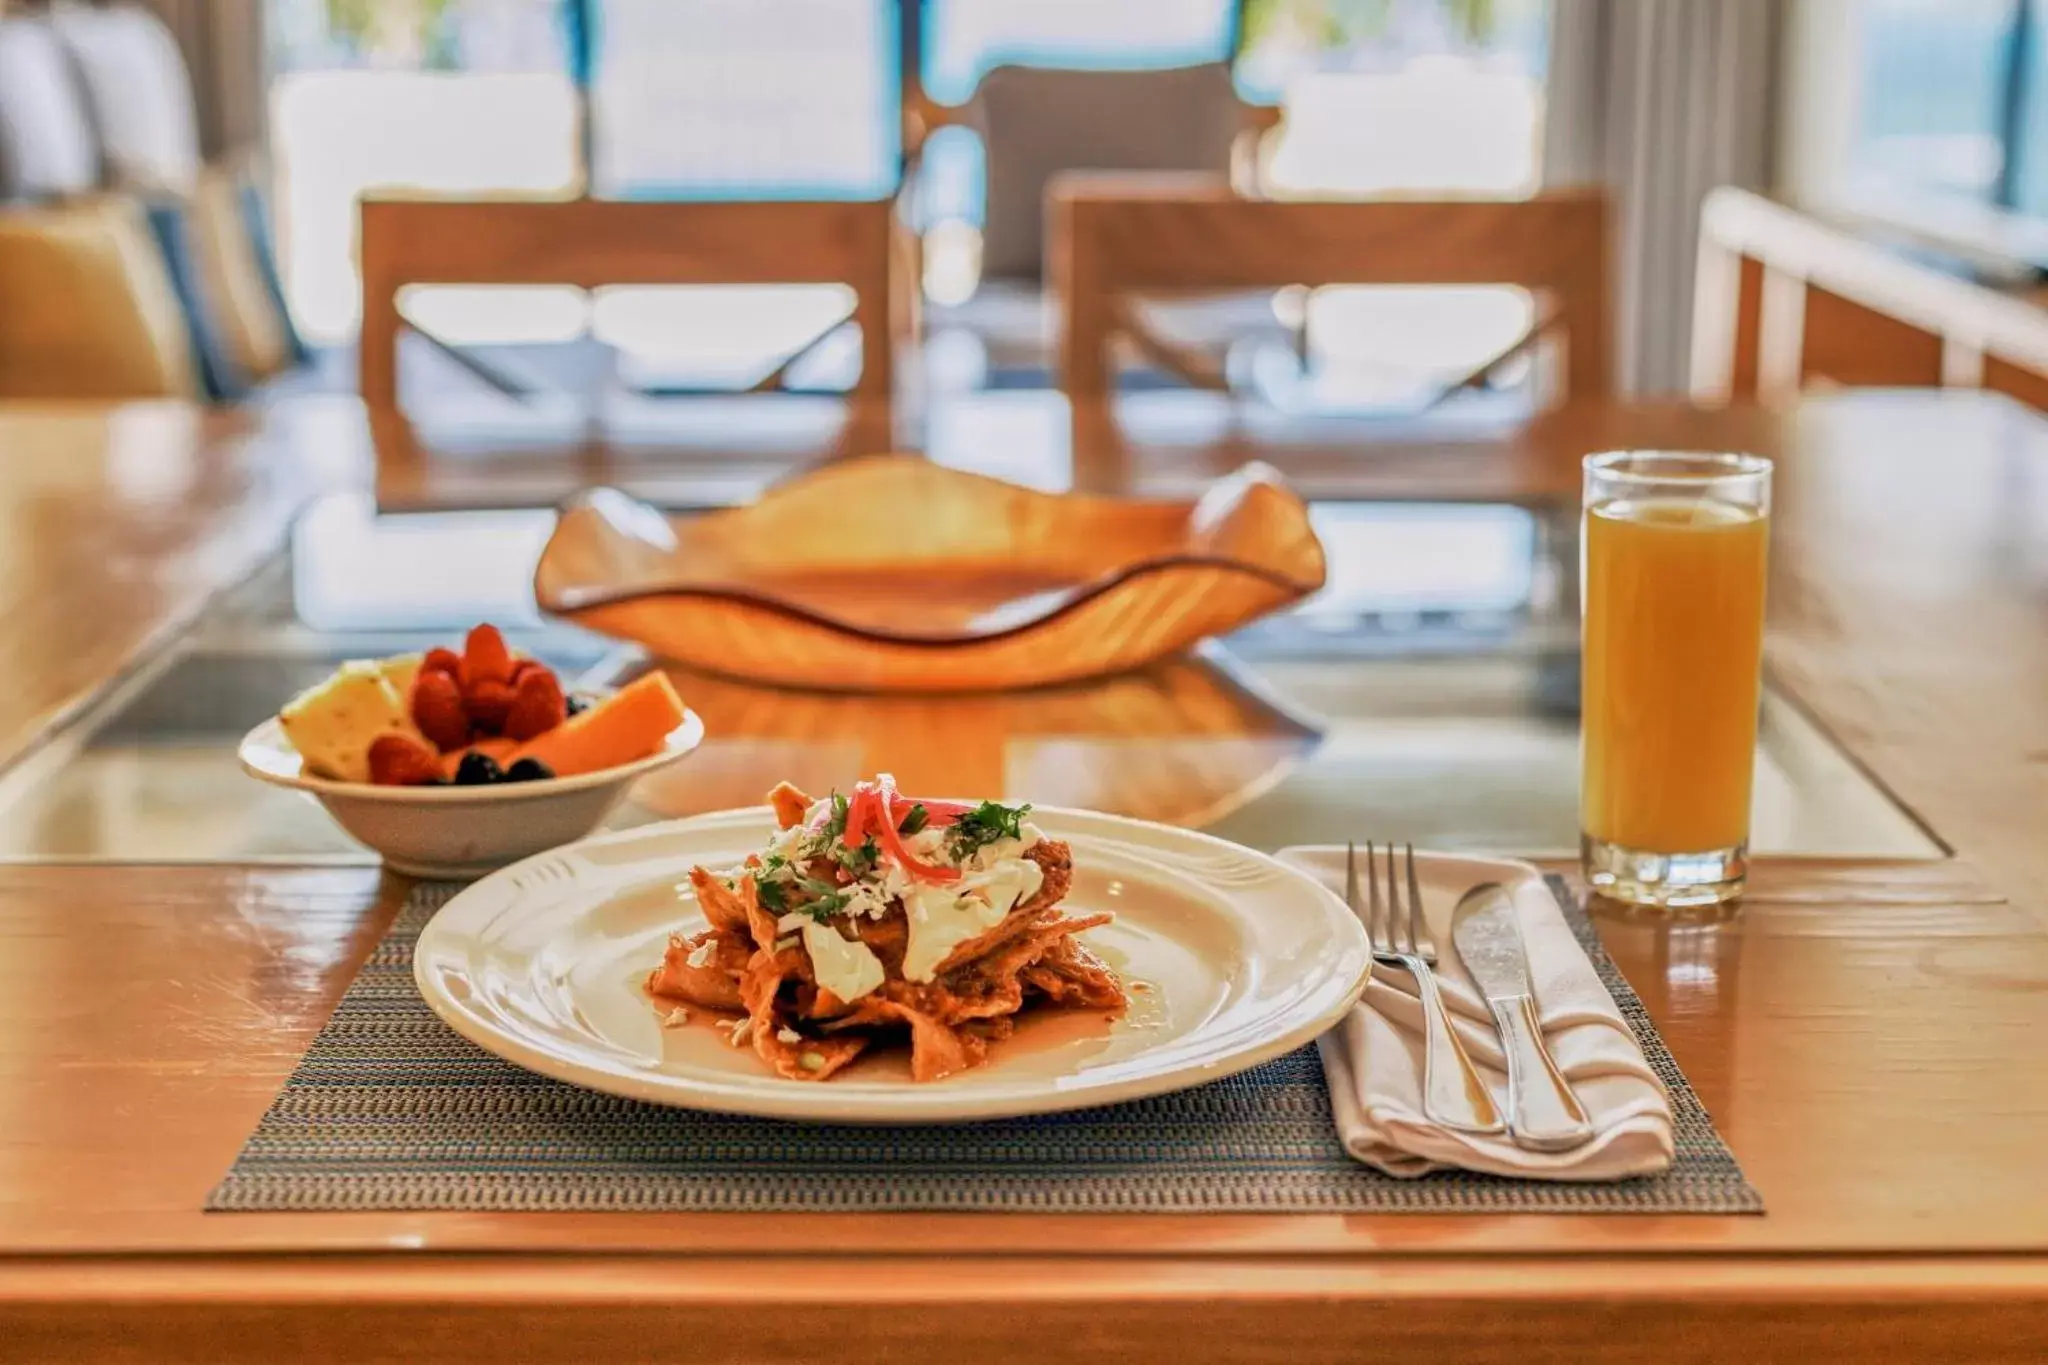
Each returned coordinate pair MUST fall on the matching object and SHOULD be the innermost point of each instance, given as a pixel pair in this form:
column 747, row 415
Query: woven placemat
column 391, row 1109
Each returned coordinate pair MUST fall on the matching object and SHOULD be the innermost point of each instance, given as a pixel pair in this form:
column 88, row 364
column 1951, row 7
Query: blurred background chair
column 1037, row 122
column 593, row 243
column 1787, row 300
column 1114, row 237
column 1307, row 99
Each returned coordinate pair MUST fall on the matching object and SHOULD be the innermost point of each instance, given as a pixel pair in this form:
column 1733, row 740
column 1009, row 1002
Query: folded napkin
column 1373, row 1059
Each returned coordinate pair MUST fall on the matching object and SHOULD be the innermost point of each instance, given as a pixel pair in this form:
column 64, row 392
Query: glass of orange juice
column 1673, row 548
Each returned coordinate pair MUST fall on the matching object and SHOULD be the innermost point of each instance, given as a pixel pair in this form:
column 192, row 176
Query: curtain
column 223, row 45
column 1660, row 101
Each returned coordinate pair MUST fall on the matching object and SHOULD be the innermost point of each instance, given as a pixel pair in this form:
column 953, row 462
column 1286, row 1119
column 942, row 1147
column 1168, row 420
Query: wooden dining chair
column 1113, row 237
column 1784, row 301
column 593, row 242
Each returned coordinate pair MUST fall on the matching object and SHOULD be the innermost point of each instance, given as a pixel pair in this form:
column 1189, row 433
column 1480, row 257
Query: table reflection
column 1183, row 742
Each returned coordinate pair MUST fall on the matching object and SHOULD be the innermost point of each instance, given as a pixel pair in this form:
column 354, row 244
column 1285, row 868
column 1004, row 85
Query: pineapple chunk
column 332, row 725
column 400, row 670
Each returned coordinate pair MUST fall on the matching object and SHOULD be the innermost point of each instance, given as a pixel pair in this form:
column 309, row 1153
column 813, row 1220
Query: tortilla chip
column 789, row 804
column 713, row 985
column 808, row 1059
column 936, row 1050
column 721, row 905
column 1069, row 974
column 1056, row 861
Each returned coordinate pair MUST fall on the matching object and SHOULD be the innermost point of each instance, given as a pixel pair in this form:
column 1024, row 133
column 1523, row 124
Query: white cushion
column 46, row 138
column 140, row 94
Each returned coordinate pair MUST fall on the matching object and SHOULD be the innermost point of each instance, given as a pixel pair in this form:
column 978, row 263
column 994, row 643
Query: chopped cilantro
column 826, row 900
column 774, row 896
column 858, row 862
column 916, row 820
column 984, row 825
column 826, row 837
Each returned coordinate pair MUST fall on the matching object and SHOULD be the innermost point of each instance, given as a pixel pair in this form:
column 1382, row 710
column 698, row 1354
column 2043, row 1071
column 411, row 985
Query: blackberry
column 478, row 770
column 529, row 770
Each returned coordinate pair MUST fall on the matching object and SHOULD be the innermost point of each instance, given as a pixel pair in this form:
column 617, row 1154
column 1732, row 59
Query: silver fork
column 1454, row 1094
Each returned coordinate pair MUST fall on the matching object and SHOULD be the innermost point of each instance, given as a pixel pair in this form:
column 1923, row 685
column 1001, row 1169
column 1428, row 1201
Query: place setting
column 865, row 997
column 1265, row 681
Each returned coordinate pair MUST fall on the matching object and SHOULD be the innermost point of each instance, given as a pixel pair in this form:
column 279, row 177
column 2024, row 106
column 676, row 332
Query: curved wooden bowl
column 890, row 573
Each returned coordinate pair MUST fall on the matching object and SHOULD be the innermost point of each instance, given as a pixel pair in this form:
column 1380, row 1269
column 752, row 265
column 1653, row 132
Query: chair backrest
column 1783, row 300
column 47, row 148
column 1117, row 236
column 593, row 242
column 1036, row 123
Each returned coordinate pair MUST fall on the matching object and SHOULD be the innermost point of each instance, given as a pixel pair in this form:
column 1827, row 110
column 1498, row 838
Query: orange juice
column 1674, row 608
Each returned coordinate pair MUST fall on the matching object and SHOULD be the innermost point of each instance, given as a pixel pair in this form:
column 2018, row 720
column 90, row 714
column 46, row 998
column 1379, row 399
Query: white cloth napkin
column 1373, row 1059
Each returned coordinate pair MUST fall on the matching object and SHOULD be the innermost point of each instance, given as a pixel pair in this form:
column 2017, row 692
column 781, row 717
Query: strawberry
column 441, row 660
column 488, row 703
column 398, row 760
column 437, row 708
column 485, row 658
column 538, row 705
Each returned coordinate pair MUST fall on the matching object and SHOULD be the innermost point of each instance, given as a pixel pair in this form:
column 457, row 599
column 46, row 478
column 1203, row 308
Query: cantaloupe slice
column 630, row 724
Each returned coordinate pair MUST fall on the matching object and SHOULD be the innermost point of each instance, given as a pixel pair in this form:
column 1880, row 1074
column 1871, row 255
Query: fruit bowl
column 459, row 832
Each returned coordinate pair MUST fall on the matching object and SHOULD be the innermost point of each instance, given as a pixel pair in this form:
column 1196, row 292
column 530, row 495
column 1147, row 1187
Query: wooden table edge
column 734, row 1309
column 581, row 1277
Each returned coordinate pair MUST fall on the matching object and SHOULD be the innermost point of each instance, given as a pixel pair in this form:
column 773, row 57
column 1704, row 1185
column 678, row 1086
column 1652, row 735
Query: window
column 687, row 99
column 1461, row 79
column 964, row 38
column 1936, row 83
column 1462, row 82
column 452, row 95
column 744, row 99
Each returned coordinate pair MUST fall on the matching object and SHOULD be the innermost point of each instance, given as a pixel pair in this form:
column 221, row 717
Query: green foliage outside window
column 1350, row 23
column 405, row 28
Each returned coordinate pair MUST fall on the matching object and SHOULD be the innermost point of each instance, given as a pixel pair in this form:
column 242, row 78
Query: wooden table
column 1867, row 1036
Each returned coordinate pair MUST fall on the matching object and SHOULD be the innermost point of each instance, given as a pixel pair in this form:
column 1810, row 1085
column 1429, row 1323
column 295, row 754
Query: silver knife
column 1543, row 1113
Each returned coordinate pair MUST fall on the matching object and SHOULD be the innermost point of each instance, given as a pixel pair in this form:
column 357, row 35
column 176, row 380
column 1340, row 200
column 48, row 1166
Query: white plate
column 1241, row 960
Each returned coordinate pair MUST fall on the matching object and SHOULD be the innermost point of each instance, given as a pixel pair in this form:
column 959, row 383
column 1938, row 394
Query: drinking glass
column 1673, row 548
